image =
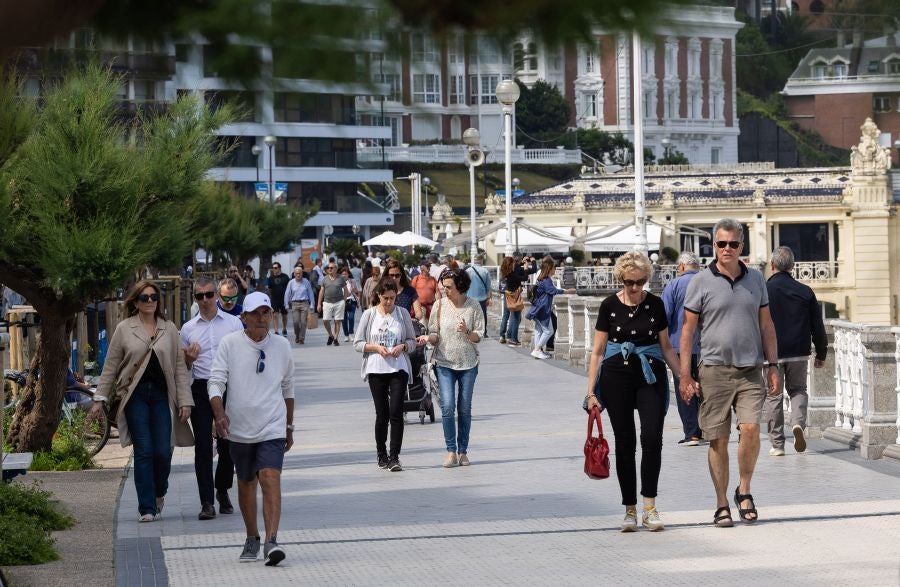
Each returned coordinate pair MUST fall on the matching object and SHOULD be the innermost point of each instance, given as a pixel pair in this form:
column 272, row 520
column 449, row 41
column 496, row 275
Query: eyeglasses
column 730, row 244
column 148, row 297
column 635, row 282
column 397, row 275
column 260, row 362
column 229, row 299
column 329, row 268
column 204, row 294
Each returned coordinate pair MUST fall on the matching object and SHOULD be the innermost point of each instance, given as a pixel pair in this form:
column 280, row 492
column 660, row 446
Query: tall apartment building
column 688, row 82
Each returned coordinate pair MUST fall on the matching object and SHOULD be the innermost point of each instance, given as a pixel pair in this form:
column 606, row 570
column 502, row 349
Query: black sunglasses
column 635, row 282
column 148, row 297
column 260, row 363
column 395, row 275
column 730, row 244
column 204, row 294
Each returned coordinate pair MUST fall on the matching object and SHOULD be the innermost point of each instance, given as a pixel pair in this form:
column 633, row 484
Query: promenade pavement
column 524, row 512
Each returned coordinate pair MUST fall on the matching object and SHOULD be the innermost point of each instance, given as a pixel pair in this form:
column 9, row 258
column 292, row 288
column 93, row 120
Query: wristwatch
column 290, row 427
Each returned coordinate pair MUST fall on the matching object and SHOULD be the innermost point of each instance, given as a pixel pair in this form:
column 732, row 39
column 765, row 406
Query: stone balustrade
column 853, row 399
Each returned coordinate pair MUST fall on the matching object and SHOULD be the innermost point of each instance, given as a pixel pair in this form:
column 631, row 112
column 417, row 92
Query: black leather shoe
column 225, row 506
column 207, row 512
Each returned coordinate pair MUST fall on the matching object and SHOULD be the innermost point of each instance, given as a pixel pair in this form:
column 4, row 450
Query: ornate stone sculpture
column 441, row 209
column 869, row 158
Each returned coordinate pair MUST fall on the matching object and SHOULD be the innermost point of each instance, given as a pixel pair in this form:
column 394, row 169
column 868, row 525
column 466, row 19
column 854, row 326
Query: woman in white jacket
column 385, row 337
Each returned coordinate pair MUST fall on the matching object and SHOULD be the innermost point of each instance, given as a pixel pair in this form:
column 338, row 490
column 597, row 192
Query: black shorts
column 250, row 459
column 280, row 309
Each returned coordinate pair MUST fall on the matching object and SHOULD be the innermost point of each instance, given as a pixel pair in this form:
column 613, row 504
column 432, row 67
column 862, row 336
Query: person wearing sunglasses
column 627, row 372
column 542, row 306
column 200, row 339
column 256, row 371
column 145, row 370
column 407, row 296
column 229, row 297
column 728, row 304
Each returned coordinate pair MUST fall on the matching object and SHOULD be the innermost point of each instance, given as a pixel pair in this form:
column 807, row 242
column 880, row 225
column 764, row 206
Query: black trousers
column 202, row 423
column 623, row 391
column 388, row 392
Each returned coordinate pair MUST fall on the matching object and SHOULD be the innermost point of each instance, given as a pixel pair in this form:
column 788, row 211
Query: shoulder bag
column 596, row 449
column 514, row 301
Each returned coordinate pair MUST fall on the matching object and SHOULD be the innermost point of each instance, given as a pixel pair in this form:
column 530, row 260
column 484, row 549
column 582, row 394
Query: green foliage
column 577, row 256
column 27, row 516
column 344, row 248
column 542, row 108
column 674, row 157
column 668, row 254
column 395, row 254
column 68, row 452
column 420, row 251
column 603, row 146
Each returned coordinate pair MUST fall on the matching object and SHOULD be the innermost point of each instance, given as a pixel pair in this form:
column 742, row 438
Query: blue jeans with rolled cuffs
column 150, row 425
column 457, row 387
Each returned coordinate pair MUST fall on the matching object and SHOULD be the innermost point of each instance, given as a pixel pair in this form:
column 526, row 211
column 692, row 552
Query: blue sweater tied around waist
column 627, row 349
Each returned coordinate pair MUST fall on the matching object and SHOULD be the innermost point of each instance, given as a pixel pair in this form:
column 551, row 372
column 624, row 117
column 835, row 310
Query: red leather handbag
column 596, row 449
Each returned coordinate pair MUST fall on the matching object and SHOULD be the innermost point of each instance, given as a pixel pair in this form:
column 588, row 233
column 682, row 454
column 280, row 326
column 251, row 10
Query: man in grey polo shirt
column 729, row 305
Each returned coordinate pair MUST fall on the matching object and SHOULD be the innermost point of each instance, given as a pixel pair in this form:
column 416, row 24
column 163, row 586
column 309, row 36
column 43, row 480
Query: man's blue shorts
column 250, row 459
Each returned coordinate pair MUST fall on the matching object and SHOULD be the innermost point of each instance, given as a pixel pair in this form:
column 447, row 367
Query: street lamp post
column 256, row 150
column 507, row 93
column 270, row 142
column 515, row 186
column 474, row 157
column 665, row 145
column 424, row 185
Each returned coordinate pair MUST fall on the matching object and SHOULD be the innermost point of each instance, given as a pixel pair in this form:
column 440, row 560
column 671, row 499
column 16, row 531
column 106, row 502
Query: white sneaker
column 629, row 524
column 536, row 353
column 542, row 355
column 651, row 520
column 776, row 452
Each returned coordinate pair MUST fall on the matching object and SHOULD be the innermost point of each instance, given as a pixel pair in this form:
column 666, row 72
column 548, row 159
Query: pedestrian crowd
column 224, row 383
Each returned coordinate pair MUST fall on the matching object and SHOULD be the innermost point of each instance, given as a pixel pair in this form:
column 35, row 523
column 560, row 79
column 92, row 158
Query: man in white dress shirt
column 200, row 338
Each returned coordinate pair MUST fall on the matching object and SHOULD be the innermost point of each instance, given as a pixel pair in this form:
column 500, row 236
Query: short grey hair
column 729, row 225
column 203, row 281
column 479, row 258
column 783, row 259
column 688, row 258
column 228, row 283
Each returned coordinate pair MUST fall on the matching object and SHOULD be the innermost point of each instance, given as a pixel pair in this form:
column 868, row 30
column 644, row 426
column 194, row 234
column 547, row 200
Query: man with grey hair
column 729, row 305
column 688, row 264
column 798, row 319
column 480, row 289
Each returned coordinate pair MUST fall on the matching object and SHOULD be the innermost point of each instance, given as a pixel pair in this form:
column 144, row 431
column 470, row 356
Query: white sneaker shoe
column 544, row 356
column 651, row 520
column 629, row 524
column 776, row 452
column 536, row 353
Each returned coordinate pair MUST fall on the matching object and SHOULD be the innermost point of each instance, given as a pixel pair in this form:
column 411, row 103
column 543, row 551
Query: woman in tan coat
column 145, row 368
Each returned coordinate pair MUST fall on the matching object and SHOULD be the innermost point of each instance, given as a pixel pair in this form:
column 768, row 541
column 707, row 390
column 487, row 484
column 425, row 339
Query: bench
column 15, row 464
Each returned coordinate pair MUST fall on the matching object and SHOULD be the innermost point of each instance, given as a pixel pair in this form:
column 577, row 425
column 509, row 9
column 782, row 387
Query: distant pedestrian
column 798, row 319
column 351, row 302
column 228, row 297
column 256, row 371
column 368, row 292
column 426, row 288
column 480, row 290
column 276, row 286
column 299, row 297
column 200, row 339
column 453, row 328
column 385, row 337
column 331, row 302
column 145, row 366
column 628, row 364
column 512, row 276
column 673, row 297
column 407, row 296
column 542, row 307
column 240, row 281
column 729, row 304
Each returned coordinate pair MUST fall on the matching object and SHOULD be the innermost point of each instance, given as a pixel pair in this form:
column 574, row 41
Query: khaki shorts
column 724, row 387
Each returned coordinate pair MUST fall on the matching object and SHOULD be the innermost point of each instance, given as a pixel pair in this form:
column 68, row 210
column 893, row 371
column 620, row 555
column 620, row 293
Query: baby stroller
column 418, row 398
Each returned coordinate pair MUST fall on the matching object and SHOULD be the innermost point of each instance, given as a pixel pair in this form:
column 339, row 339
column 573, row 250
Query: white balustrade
column 816, row 271
column 896, row 331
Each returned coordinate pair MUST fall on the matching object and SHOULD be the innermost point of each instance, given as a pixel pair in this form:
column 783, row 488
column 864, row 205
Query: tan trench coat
column 126, row 360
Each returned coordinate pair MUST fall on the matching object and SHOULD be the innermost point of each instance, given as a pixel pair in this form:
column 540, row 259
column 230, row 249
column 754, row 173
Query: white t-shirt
column 388, row 332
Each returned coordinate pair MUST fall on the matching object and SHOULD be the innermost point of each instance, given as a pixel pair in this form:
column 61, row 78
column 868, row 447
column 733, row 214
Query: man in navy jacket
column 798, row 319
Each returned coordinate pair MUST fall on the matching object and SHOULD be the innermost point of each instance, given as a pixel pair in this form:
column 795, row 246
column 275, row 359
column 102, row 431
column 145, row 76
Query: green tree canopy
column 541, row 108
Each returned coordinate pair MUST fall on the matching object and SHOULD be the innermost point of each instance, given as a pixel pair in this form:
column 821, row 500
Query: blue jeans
column 510, row 329
column 150, row 426
column 449, row 380
column 543, row 330
column 349, row 317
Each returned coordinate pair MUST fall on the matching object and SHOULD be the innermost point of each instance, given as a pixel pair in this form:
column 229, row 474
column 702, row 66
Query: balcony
column 456, row 154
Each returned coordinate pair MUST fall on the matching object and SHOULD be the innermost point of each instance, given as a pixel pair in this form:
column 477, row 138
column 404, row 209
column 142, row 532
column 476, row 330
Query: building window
column 694, row 58
column 456, row 49
column 649, row 63
column 893, row 67
column 840, row 70
column 327, row 108
column 488, row 88
column 424, row 49
column 715, row 155
column 715, row 106
column 881, row 104
column 693, row 106
column 590, row 101
column 588, row 62
column 315, row 152
column 819, row 70
column 457, row 89
column 672, row 104
column 554, row 60
column 392, row 81
column 649, row 105
column 427, row 88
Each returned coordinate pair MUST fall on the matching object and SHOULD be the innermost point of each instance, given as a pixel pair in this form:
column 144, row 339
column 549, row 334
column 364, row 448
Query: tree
column 344, row 248
column 673, row 157
column 541, row 109
column 81, row 210
column 608, row 148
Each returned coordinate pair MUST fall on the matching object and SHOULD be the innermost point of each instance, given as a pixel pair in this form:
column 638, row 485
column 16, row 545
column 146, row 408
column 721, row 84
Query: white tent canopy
column 624, row 240
column 404, row 239
column 554, row 239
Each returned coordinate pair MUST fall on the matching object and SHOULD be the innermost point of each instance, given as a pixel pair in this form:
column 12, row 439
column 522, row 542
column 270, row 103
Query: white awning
column 554, row 239
column 624, row 240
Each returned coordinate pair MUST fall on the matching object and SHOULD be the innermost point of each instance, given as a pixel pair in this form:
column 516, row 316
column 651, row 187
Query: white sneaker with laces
column 543, row 356
column 776, row 452
column 651, row 520
column 629, row 524
column 536, row 353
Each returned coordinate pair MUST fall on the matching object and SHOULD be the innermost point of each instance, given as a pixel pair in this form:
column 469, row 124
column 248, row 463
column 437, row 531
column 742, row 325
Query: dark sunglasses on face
column 260, row 363
column 730, row 244
column 204, row 294
column 148, row 298
column 397, row 275
column 635, row 282
column 229, row 299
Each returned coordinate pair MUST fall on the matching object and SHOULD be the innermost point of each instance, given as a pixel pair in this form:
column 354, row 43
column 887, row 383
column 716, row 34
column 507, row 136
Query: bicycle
column 92, row 431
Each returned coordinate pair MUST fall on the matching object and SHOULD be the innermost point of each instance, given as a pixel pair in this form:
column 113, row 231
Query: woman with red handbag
column 628, row 363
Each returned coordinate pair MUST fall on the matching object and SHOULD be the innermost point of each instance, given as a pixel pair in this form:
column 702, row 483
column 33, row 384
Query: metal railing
column 456, row 154
column 816, row 271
